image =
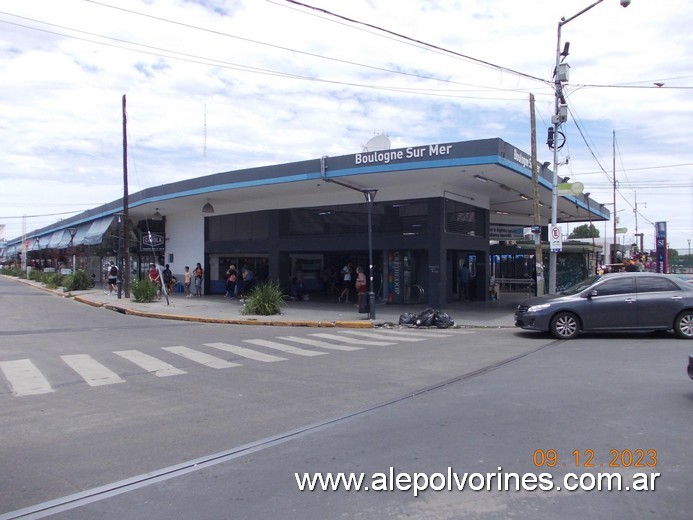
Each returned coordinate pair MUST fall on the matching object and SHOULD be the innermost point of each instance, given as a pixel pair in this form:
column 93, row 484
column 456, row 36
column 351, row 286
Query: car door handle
column 630, row 300
column 677, row 297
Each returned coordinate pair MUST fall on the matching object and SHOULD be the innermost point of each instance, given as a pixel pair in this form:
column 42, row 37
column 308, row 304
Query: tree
column 585, row 231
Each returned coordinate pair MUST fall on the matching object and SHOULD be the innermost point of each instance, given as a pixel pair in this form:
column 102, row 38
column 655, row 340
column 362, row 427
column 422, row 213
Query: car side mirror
column 592, row 294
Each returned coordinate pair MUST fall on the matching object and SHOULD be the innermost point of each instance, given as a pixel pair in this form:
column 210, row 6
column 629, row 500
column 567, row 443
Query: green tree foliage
column 585, row 231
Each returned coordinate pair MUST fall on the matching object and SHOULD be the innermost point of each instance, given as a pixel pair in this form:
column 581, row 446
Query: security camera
column 625, row 3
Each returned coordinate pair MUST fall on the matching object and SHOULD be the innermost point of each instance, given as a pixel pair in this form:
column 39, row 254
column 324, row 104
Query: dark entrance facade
column 417, row 247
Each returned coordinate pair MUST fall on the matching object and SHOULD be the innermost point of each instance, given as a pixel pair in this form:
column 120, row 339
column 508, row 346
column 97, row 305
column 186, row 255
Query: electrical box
column 563, row 72
column 561, row 116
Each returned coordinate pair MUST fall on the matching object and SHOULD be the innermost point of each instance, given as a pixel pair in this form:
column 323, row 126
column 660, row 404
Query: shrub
column 144, row 291
column 265, row 299
column 79, row 281
column 52, row 280
column 36, row 275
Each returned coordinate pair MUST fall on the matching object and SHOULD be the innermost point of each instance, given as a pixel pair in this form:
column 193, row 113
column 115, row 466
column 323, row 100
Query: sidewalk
column 319, row 311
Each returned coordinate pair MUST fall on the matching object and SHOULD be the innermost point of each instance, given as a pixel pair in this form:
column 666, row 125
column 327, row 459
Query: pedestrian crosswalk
column 24, row 377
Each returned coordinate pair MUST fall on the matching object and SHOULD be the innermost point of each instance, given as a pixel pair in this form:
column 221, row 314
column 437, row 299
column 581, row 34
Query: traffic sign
column 555, row 238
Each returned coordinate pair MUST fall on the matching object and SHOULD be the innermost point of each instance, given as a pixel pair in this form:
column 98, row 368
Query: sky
column 220, row 85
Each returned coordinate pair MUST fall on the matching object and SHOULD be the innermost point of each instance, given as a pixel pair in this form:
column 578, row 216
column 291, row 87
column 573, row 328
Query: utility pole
column 123, row 231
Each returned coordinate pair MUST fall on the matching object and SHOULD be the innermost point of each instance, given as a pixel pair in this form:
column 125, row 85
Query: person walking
column 199, row 274
column 112, row 278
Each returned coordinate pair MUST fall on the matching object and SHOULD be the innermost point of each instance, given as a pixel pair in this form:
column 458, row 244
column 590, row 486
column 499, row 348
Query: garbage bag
column 442, row 320
column 425, row 319
column 407, row 319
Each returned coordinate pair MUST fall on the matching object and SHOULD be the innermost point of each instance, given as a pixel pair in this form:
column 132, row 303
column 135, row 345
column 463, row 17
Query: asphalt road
column 223, row 436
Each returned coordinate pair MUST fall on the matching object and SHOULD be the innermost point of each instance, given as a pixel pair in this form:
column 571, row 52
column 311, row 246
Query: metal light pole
column 73, row 232
column 370, row 195
column 560, row 116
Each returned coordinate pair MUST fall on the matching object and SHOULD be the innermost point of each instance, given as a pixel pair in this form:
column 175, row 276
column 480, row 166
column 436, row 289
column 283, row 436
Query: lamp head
column 625, row 3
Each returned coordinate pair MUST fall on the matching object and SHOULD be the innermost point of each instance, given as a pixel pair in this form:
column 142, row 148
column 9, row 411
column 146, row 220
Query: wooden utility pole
column 538, row 250
column 124, row 232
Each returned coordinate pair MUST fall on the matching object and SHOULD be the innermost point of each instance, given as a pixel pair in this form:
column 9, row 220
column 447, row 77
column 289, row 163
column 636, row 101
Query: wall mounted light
column 208, row 208
column 156, row 216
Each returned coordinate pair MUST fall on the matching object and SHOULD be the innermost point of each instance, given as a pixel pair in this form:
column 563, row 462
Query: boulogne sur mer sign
column 413, row 152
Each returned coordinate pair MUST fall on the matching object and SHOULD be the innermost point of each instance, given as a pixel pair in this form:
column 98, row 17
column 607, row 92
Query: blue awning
column 97, row 229
column 79, row 237
column 55, row 239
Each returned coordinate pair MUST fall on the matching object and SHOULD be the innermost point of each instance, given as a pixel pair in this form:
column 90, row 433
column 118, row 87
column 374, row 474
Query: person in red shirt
column 155, row 278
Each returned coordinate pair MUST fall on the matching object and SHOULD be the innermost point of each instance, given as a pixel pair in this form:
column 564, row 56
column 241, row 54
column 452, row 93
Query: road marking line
column 93, row 372
column 421, row 334
column 150, row 363
column 24, row 378
column 351, row 340
column 246, row 352
column 316, row 343
column 201, row 357
column 284, row 348
column 374, row 335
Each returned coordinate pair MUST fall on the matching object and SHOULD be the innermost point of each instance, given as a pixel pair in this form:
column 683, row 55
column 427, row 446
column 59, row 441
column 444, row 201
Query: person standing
column 187, row 279
column 199, row 274
column 346, row 282
column 155, row 278
column 465, row 278
column 231, row 276
column 360, row 280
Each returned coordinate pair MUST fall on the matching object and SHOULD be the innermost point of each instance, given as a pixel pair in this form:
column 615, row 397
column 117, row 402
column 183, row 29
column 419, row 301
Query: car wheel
column 565, row 325
column 683, row 325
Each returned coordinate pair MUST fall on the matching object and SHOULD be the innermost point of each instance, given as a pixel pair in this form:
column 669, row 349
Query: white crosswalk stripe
column 345, row 339
column 201, row 357
column 316, row 343
column 93, row 372
column 150, row 363
column 24, row 378
column 246, row 352
column 427, row 334
column 283, row 348
column 374, row 335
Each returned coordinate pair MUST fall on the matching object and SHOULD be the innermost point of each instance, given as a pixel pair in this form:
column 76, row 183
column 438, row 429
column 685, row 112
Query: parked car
column 613, row 302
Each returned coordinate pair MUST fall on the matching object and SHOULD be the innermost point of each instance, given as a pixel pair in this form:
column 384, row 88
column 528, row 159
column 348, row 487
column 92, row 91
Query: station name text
column 418, row 152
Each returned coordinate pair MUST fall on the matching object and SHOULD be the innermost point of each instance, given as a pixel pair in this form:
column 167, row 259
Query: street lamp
column 560, row 76
column 73, row 232
column 370, row 195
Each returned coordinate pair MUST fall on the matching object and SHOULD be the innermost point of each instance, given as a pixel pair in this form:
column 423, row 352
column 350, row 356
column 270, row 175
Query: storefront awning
column 97, row 229
column 79, row 237
column 55, row 239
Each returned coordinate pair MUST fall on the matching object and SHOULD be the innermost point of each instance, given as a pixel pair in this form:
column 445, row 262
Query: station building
column 427, row 210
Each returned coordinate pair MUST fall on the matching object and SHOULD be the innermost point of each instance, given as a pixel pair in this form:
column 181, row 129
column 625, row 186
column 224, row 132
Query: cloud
column 217, row 86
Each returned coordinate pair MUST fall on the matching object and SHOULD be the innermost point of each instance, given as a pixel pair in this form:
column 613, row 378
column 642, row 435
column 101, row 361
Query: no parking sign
column 555, row 238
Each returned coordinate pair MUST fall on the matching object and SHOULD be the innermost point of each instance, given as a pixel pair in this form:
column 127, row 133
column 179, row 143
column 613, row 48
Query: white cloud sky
column 221, row 85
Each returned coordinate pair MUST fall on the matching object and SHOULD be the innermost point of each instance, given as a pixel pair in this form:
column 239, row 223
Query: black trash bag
column 442, row 320
column 407, row 319
column 425, row 319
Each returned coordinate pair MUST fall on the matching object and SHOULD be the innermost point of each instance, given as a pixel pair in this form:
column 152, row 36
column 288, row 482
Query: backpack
column 113, row 271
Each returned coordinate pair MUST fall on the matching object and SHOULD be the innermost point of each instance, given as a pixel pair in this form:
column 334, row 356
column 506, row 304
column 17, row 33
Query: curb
column 226, row 321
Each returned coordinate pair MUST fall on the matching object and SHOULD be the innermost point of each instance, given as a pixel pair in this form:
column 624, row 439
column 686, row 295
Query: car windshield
column 581, row 286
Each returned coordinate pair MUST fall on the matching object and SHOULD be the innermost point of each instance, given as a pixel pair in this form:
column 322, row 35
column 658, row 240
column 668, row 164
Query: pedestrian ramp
column 25, row 377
